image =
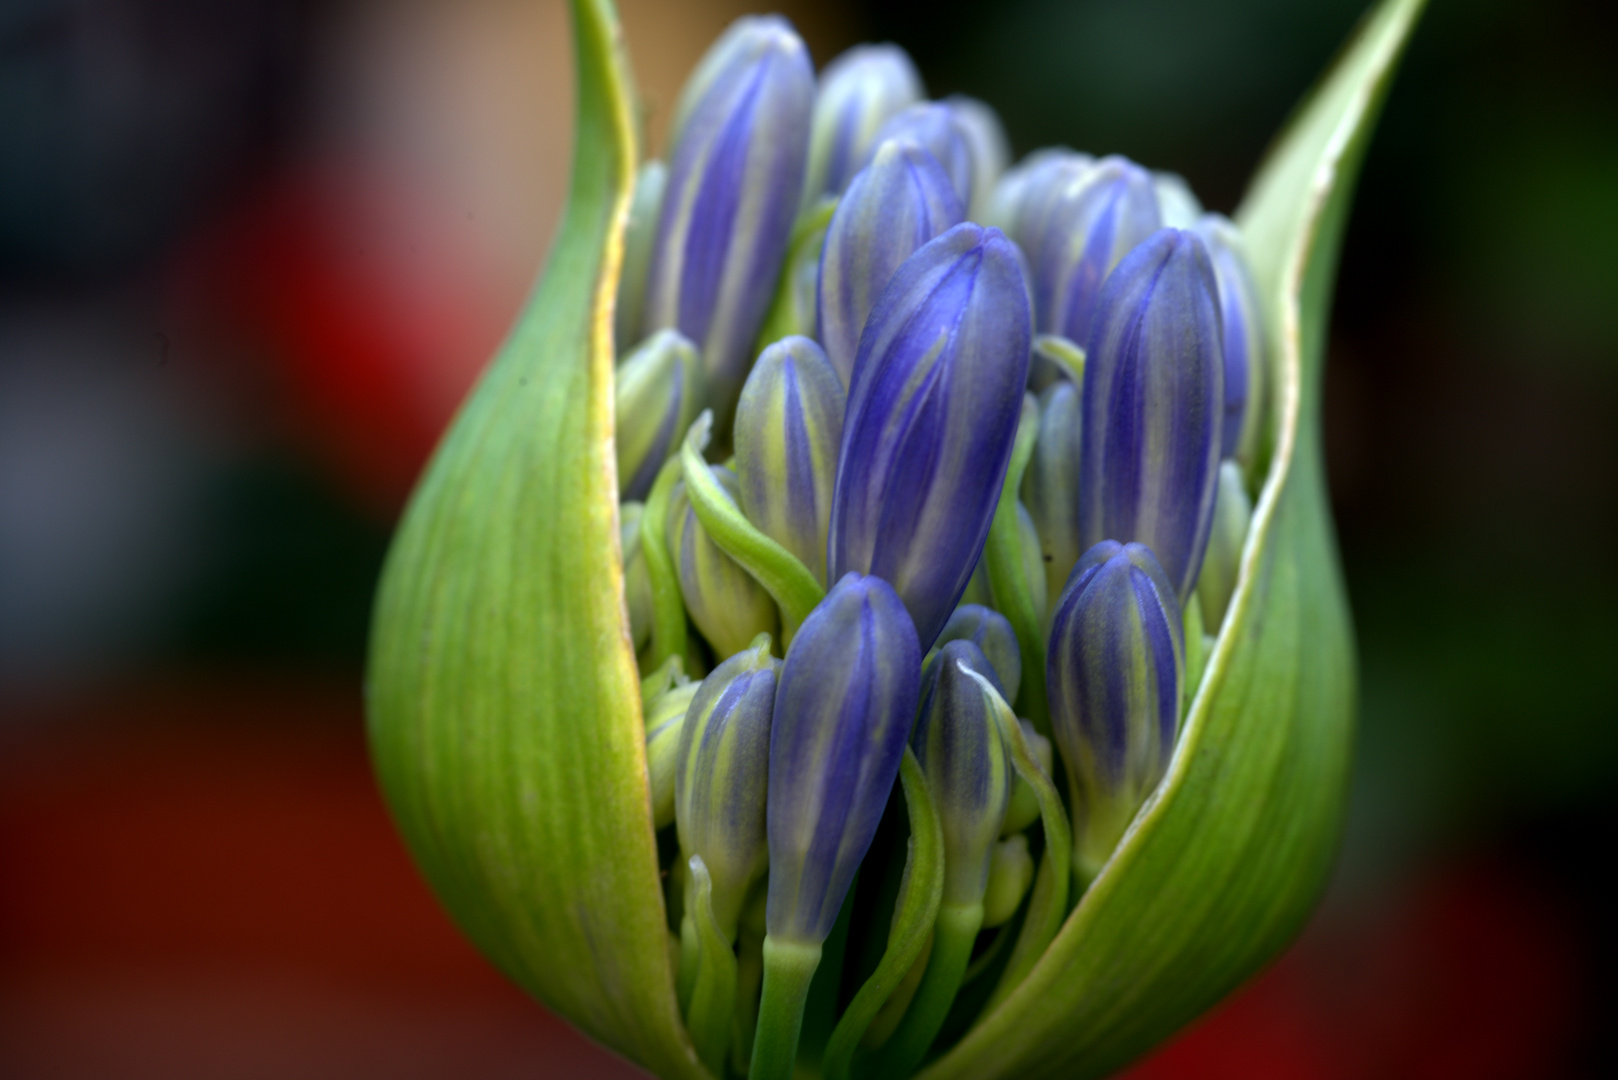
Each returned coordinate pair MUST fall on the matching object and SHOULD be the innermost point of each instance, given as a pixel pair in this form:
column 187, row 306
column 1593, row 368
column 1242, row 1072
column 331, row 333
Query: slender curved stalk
column 1047, row 908
column 1009, row 583
column 919, row 895
column 668, row 609
column 787, row 580
column 953, row 936
column 713, row 991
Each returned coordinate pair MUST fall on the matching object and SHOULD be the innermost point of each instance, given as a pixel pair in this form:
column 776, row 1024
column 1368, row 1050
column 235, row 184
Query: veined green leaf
column 1223, row 864
column 503, row 701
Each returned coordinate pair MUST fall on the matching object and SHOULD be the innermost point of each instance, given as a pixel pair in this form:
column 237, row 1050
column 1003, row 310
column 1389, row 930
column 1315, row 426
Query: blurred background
column 251, row 256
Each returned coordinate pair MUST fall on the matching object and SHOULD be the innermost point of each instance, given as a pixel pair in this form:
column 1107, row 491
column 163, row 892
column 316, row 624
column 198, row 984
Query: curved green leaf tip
column 1226, row 861
column 503, row 700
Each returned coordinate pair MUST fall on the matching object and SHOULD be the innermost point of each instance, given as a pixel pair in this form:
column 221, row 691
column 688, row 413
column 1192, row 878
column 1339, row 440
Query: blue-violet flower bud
column 843, row 709
column 1050, row 484
column 991, row 150
column 1232, row 512
column 735, row 177
column 859, row 91
column 719, row 791
column 897, row 203
column 1024, row 196
column 1153, row 403
column 932, row 416
column 639, row 234
column 665, row 719
column 789, row 428
column 936, row 128
column 728, row 605
column 1180, row 205
column 659, row 393
column 958, row 745
column 1113, row 673
column 1092, row 224
column 991, row 632
column 1244, row 335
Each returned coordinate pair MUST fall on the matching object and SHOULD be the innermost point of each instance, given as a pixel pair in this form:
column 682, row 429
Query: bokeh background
column 252, row 254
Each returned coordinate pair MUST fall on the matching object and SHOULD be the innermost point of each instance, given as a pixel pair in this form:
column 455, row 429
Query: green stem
column 668, row 609
column 713, row 992
column 789, row 968
column 920, row 892
column 1047, row 907
column 787, row 580
column 953, row 936
column 820, row 1010
column 749, row 974
column 1008, row 580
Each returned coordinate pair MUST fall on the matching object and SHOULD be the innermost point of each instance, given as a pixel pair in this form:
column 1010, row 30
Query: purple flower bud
column 658, row 394
column 932, row 416
column 991, row 632
column 719, row 783
column 897, row 203
column 958, row 745
column 1023, row 197
column 789, row 428
column 727, row 603
column 1113, row 672
column 1244, row 333
column 1153, row 403
column 1050, row 484
column 732, row 193
column 859, row 91
column 1180, row 205
column 845, row 700
column 991, row 150
column 935, row 128
column 1088, row 228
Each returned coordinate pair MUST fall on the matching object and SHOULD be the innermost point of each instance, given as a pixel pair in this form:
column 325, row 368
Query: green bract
column 504, row 700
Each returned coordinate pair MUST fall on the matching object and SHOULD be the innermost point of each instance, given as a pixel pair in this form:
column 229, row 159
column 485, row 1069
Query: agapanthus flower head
column 932, row 413
column 1108, row 540
column 735, row 176
column 1153, row 406
column 859, row 91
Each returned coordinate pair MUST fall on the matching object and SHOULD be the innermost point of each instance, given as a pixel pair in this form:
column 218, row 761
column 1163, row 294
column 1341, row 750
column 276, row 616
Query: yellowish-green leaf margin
column 1222, row 867
column 503, row 701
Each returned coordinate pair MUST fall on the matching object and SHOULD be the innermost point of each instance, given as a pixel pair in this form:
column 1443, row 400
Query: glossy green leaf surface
column 1225, row 862
column 503, row 701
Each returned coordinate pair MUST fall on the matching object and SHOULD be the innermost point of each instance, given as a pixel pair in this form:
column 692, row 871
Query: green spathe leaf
column 1225, row 861
column 504, row 704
